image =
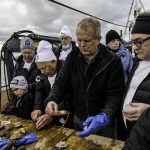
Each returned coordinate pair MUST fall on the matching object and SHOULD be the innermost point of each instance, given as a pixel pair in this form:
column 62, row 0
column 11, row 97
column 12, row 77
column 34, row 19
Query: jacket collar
column 103, row 53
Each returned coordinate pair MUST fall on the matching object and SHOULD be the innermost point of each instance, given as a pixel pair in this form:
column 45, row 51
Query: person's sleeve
column 130, row 63
column 39, row 97
column 140, row 135
column 114, row 88
column 28, row 102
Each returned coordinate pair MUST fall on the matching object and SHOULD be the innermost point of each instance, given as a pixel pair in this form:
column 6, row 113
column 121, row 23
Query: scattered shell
column 61, row 145
column 6, row 117
column 17, row 124
column 22, row 130
column 63, row 112
column 4, row 123
column 9, row 127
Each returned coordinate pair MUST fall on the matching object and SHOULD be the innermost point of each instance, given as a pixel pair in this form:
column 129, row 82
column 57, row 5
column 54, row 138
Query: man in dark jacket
column 140, row 135
column 137, row 92
column 94, row 76
column 25, row 65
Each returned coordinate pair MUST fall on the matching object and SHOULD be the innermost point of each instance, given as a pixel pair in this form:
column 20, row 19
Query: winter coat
column 43, row 89
column 127, row 60
column 142, row 93
column 20, row 106
column 140, row 135
column 95, row 87
column 29, row 75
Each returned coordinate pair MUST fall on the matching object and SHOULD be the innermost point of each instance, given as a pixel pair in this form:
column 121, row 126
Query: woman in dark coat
column 48, row 64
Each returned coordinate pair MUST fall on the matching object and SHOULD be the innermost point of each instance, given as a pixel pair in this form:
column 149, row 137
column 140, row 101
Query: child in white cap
column 21, row 103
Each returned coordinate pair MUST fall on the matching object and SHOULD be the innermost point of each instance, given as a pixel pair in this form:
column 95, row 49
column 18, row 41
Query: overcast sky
column 46, row 18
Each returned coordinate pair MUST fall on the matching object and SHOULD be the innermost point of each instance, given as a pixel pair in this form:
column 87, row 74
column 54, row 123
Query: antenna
column 142, row 5
column 128, row 17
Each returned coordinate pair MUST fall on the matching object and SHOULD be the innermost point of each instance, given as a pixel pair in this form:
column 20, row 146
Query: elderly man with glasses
column 137, row 95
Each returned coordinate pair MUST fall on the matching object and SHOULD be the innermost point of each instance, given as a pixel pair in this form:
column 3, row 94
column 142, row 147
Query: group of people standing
column 97, row 84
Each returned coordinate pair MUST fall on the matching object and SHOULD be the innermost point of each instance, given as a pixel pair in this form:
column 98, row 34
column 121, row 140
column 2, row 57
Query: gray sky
column 46, row 18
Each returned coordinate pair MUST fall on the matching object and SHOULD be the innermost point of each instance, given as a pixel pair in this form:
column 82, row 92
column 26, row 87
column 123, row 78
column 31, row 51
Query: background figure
column 113, row 41
column 67, row 45
column 137, row 91
column 25, row 65
column 140, row 135
column 48, row 64
column 94, row 76
column 21, row 103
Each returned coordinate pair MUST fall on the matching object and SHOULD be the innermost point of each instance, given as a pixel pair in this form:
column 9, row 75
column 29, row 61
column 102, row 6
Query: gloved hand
column 94, row 124
column 4, row 143
column 30, row 138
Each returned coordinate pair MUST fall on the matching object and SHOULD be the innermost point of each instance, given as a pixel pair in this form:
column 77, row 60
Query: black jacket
column 20, row 107
column 29, row 75
column 142, row 94
column 95, row 87
column 43, row 89
column 140, row 135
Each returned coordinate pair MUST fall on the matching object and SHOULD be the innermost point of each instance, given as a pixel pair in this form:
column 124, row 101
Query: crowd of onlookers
column 103, row 87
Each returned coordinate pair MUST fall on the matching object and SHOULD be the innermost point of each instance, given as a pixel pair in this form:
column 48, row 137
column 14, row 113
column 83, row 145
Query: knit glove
column 94, row 124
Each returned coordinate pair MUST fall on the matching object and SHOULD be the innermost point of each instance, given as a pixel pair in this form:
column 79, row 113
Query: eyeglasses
column 139, row 43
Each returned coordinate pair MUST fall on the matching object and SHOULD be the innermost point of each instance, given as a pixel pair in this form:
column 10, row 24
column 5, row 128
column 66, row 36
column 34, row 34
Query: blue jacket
column 127, row 60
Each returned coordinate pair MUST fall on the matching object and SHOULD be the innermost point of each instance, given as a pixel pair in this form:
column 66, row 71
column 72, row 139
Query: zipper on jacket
column 18, row 103
column 87, row 105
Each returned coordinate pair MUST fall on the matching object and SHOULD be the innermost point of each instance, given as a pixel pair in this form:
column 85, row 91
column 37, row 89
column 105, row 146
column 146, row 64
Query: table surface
column 50, row 136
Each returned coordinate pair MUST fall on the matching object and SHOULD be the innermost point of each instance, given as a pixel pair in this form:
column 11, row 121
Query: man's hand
column 52, row 109
column 36, row 114
column 135, row 111
column 43, row 120
column 94, row 123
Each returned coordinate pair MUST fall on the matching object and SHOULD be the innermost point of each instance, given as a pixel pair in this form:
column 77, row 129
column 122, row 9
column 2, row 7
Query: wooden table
column 50, row 136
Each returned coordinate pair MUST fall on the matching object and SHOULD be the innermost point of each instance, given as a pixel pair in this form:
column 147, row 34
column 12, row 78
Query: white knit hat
column 45, row 52
column 65, row 31
column 19, row 82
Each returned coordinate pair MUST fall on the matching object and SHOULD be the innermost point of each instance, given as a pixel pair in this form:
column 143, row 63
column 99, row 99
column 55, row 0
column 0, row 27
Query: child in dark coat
column 21, row 103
